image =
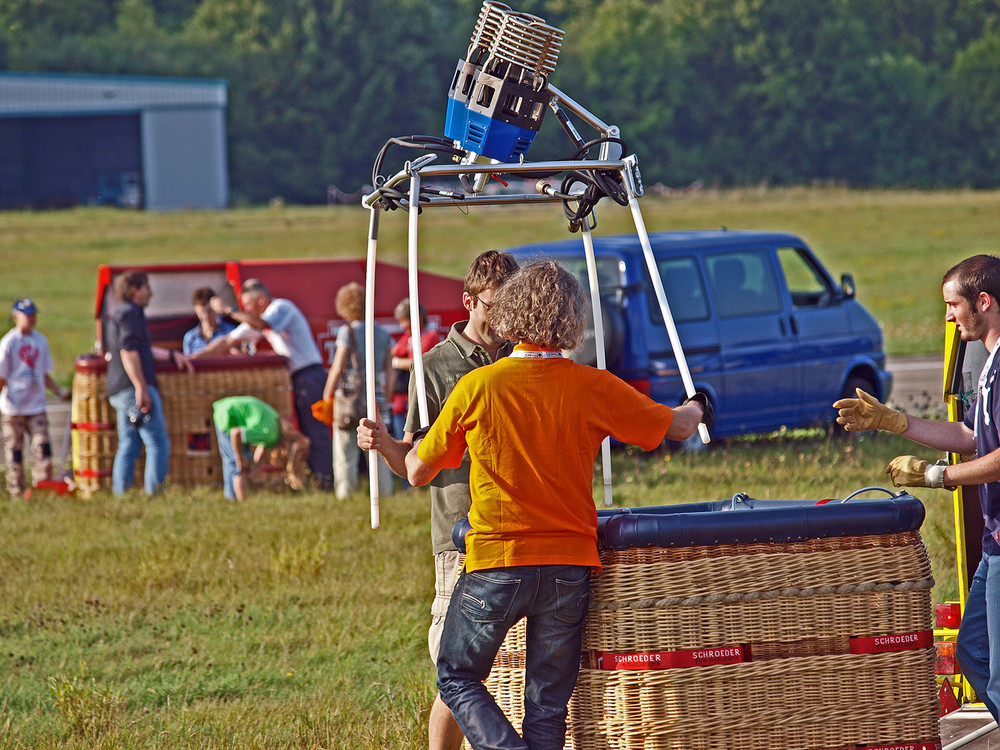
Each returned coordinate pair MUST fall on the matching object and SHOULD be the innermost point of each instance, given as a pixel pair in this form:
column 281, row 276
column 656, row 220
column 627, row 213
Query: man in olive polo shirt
column 470, row 344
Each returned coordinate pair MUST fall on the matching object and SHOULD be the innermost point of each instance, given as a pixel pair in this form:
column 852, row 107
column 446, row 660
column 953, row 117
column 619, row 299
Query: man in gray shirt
column 470, row 344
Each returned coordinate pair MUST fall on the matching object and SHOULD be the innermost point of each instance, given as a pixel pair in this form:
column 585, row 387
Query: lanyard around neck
column 535, row 354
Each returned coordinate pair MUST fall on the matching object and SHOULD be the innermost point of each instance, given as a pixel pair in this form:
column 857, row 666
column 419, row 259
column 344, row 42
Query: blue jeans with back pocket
column 484, row 606
column 978, row 646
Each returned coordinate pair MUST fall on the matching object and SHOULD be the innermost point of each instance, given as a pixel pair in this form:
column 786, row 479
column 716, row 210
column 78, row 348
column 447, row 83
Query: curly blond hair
column 541, row 304
column 350, row 303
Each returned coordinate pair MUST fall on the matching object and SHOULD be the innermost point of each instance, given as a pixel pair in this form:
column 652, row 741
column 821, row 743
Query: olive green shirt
column 444, row 366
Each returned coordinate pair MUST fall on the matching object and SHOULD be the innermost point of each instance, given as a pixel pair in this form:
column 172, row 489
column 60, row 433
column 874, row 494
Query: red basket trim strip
column 699, row 657
column 893, row 642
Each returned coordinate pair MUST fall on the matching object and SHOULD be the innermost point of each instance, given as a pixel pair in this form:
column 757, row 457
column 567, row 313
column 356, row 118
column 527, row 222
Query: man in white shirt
column 287, row 331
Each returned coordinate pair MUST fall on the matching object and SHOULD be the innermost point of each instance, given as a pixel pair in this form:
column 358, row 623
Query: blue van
column 766, row 330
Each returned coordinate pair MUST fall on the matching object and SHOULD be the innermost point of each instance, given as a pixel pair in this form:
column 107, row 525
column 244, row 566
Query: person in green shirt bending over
column 245, row 420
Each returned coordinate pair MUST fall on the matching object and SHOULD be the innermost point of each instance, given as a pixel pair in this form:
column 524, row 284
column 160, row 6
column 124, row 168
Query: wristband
column 934, row 475
column 173, row 356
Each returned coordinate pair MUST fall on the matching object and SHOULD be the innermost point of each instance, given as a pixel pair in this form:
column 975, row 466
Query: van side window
column 684, row 289
column 808, row 286
column 743, row 283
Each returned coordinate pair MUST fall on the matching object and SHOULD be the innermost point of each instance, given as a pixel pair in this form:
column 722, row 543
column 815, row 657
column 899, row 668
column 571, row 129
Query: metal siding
column 184, row 159
column 33, row 94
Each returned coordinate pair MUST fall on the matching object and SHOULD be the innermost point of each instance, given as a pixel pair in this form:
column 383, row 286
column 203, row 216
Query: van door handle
column 795, row 325
column 781, row 325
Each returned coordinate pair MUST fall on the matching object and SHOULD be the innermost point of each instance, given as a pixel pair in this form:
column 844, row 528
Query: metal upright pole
column 416, row 345
column 602, row 360
column 370, row 374
column 661, row 297
column 418, row 361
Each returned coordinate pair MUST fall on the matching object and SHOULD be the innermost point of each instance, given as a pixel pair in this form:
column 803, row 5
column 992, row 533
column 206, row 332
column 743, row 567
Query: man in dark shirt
column 132, row 387
column 971, row 291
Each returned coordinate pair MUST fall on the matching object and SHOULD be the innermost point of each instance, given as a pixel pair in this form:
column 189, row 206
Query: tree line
column 729, row 92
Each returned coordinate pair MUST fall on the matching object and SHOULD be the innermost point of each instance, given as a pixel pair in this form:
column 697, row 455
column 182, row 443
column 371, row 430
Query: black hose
column 392, row 197
column 599, row 183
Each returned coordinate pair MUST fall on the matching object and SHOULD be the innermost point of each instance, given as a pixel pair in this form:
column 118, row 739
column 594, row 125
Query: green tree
column 619, row 62
column 27, row 18
column 728, row 91
column 977, row 98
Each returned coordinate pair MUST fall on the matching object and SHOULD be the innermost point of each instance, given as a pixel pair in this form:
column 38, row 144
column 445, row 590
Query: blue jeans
column 398, row 426
column 484, row 606
column 228, row 463
column 130, row 441
column 978, row 646
column 307, row 387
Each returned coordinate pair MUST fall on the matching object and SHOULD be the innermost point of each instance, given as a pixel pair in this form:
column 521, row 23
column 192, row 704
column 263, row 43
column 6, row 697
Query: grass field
column 897, row 245
column 185, row 622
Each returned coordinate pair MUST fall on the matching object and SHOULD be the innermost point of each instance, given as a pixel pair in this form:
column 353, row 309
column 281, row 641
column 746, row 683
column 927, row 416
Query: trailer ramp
column 969, row 728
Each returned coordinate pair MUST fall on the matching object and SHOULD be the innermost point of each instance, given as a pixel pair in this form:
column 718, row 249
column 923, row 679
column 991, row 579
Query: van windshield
column 807, row 284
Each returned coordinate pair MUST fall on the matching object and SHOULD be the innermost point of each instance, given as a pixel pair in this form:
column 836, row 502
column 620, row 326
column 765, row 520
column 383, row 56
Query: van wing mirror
column 847, row 285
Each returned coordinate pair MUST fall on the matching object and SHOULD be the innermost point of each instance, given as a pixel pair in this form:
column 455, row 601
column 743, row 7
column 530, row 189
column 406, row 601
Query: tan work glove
column 910, row 471
column 866, row 413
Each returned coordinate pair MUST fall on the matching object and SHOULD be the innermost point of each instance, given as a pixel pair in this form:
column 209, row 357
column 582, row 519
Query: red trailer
column 311, row 284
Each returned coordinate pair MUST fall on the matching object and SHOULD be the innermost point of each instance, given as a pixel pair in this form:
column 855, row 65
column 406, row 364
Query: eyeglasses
column 485, row 304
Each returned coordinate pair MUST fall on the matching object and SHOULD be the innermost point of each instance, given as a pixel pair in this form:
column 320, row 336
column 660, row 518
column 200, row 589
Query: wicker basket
column 187, row 408
column 809, row 626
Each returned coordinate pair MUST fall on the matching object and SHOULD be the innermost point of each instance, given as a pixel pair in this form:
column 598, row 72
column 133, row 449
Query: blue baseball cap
column 26, row 306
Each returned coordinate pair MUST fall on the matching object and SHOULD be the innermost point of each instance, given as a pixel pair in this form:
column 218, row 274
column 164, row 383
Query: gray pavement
column 918, row 384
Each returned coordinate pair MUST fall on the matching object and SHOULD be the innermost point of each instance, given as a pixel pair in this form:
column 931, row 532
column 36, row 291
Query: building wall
column 80, row 139
column 184, row 159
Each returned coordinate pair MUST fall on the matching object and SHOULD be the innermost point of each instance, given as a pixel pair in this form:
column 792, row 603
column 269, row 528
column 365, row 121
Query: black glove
column 708, row 418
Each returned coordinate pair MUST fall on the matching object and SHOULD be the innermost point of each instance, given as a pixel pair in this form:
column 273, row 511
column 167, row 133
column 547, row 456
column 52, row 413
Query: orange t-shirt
column 533, row 427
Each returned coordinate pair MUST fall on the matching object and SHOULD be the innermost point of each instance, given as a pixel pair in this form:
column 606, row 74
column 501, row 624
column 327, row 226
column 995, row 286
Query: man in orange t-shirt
column 533, row 424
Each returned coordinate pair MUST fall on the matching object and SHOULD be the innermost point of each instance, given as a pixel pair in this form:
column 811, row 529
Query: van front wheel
column 850, row 391
column 857, row 381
